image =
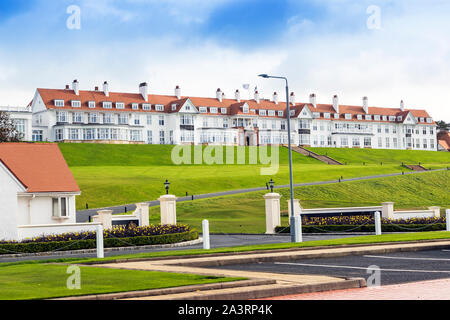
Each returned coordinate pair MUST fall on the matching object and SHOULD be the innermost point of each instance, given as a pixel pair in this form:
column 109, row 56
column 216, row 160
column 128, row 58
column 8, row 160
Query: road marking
column 407, row 258
column 360, row 268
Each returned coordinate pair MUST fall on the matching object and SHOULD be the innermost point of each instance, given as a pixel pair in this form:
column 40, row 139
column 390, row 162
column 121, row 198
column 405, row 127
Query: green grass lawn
column 375, row 156
column 245, row 213
column 40, row 281
column 123, row 174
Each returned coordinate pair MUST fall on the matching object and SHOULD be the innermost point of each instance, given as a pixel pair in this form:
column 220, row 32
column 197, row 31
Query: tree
column 8, row 131
column 441, row 125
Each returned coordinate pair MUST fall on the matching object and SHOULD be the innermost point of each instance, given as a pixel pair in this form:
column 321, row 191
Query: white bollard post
column 296, row 223
column 206, row 244
column 377, row 223
column 100, row 251
column 447, row 219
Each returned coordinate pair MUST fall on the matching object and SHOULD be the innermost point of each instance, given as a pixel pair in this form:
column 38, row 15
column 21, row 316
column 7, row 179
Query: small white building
column 37, row 192
column 22, row 118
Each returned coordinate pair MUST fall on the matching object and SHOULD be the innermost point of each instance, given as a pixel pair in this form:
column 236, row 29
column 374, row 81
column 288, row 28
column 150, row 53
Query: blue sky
column 323, row 46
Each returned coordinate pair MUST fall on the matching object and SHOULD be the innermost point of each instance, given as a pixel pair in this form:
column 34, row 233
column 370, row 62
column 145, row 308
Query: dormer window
column 76, row 104
column 399, row 118
column 174, row 106
column 391, row 118
column 187, row 108
column 376, row 117
column 348, row 116
column 202, row 109
column 422, row 119
column 120, row 105
column 368, row 117
column 336, row 115
column 159, row 107
column 327, row 115
column 429, row 120
column 316, row 114
column 271, row 113
column 146, row 106
column 213, row 110
column 384, row 118
column 245, row 109
column 262, row 112
column 223, row 110
column 59, row 103
column 107, row 105
column 359, row 116
column 291, row 112
column 135, row 106
column 91, row 104
column 280, row 113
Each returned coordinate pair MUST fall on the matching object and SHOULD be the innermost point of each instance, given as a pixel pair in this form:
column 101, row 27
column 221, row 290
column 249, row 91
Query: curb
column 175, row 290
column 84, row 251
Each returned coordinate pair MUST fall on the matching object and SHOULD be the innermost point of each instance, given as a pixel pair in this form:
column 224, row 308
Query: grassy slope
column 39, row 281
column 244, row 213
column 122, row 174
column 375, row 156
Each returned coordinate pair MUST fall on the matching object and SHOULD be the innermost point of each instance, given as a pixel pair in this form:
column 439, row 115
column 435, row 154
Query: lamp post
column 288, row 115
column 166, row 185
column 271, row 183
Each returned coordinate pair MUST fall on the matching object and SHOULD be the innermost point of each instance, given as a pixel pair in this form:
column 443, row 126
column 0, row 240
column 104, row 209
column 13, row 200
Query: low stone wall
column 37, row 230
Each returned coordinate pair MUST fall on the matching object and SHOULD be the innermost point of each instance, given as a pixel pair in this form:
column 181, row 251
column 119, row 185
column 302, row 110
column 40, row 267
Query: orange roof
column 40, row 167
column 444, row 139
column 233, row 106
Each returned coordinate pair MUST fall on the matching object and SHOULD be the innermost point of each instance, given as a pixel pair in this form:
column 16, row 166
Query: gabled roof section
column 40, row 167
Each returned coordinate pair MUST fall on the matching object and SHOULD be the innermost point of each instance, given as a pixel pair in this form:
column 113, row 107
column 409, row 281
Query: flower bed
column 115, row 237
column 365, row 223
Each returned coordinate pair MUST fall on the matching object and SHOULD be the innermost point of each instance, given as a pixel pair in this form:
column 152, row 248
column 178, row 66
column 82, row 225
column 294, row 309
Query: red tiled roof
column 233, row 107
column 444, row 140
column 40, row 167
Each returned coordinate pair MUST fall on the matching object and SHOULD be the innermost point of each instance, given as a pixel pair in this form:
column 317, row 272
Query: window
column 202, row 109
column 321, row 126
column 93, row 117
column 123, row 118
column 135, row 106
column 59, row 134
column 395, row 143
column 108, row 118
column 379, row 129
column 429, row 120
column 187, row 119
column 107, row 105
column 424, row 130
column 264, row 124
column 386, row 129
column 432, row 143
column 368, row 117
column 271, row 113
column 394, row 129
column 120, row 105
column 78, row 117
column 88, row 134
column 376, row 117
column 384, row 118
column 214, row 110
column 135, row 135
column 262, row 112
column 146, row 106
column 76, row 104
column 280, row 113
column 388, row 142
column 223, row 110
column 424, row 143
column 274, row 124
column 380, row 142
column 359, row 116
column 149, row 119
column 61, row 116
column 37, row 135
column 225, row 122
column 355, row 142
column 59, row 103
column 291, row 112
column 367, row 141
column 344, row 141
column 283, row 125
column 336, row 115
column 20, row 126
column 161, row 120
column 91, row 104
column 391, row 118
column 159, row 107
column 314, row 126
column 422, row 119
column 149, row 137
column 431, row 131
column 73, row 134
column 348, row 116
column 316, row 114
column 174, row 106
column 161, row 137
column 60, row 207
column 137, row 120
column 399, row 118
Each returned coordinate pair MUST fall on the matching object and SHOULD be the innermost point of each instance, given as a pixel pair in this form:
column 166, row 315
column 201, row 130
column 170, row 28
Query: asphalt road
column 216, row 241
column 394, row 268
column 83, row 215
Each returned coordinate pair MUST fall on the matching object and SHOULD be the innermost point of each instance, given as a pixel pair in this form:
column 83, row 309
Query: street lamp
column 288, row 116
column 166, row 185
column 271, row 183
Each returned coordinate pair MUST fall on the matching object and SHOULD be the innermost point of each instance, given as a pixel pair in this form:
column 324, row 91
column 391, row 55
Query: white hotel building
column 101, row 116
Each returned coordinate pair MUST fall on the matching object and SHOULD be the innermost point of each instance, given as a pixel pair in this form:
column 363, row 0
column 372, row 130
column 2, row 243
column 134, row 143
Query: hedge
column 365, row 228
column 34, row 247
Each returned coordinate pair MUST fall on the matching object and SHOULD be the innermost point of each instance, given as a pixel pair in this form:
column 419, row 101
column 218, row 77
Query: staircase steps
column 415, row 167
column 323, row 158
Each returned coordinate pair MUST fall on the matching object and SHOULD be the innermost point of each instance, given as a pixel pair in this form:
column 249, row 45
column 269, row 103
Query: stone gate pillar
column 272, row 212
column 142, row 213
column 104, row 217
column 168, row 209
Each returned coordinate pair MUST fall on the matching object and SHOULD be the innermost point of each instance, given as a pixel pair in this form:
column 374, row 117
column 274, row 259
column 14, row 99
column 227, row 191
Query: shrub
column 365, row 228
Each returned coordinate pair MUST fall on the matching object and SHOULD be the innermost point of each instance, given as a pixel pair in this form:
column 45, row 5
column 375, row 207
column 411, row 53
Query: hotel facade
column 101, row 116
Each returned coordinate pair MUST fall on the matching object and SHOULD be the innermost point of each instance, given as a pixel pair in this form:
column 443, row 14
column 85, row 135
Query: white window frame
column 146, row 106
column 107, row 105
column 91, row 104
column 159, row 107
column 120, row 105
column 56, row 207
column 76, row 103
column 59, row 103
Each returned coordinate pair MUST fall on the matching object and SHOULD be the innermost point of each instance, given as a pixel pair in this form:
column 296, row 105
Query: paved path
column 83, row 215
column 424, row 290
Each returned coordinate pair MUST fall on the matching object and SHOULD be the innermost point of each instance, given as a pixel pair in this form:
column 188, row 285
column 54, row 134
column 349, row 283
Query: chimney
column 336, row 103
column 96, row 88
column 292, row 98
column 76, row 87
column 178, row 92
column 237, row 95
column 219, row 94
column 275, row 98
column 106, row 88
column 312, row 99
column 402, row 105
column 67, row 87
column 143, row 90
column 366, row 104
column 257, row 96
